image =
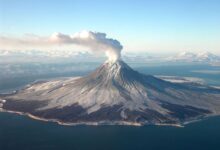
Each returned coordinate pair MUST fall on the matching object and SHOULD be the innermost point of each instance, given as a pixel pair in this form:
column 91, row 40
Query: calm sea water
column 19, row 132
column 22, row 133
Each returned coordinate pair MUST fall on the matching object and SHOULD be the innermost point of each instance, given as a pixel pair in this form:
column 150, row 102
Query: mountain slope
column 114, row 93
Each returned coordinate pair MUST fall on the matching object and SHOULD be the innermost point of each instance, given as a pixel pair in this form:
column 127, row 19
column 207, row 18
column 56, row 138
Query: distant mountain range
column 195, row 57
column 189, row 57
column 46, row 53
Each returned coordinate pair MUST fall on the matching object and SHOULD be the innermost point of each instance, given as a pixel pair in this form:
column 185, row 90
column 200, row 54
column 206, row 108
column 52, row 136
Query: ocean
column 22, row 133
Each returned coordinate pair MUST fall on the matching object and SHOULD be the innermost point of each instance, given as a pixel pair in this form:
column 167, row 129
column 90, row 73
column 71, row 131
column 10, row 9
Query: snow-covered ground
column 177, row 79
column 2, row 101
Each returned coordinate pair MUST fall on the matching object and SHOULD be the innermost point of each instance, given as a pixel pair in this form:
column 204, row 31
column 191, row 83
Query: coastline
column 119, row 123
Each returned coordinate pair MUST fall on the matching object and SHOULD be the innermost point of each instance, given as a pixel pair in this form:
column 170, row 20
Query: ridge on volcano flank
column 115, row 94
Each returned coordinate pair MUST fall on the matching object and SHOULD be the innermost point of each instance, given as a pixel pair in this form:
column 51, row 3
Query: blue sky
column 158, row 26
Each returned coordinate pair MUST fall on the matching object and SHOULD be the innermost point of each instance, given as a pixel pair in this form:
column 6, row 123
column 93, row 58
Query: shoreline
column 101, row 123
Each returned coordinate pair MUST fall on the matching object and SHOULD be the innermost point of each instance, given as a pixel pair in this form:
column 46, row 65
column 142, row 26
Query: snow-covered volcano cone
column 115, row 94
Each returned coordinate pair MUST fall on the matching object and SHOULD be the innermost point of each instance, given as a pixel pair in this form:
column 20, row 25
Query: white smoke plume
column 95, row 41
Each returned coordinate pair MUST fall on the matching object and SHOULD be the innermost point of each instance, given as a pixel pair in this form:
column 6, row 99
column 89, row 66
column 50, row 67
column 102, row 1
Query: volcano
column 115, row 94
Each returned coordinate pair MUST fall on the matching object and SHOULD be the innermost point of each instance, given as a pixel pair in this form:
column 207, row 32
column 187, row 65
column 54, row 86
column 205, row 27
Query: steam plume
column 95, row 41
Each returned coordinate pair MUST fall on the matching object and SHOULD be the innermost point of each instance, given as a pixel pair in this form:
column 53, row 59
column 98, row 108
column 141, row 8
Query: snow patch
column 177, row 79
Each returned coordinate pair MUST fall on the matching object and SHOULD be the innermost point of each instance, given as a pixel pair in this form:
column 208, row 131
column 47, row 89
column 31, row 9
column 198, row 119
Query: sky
column 155, row 26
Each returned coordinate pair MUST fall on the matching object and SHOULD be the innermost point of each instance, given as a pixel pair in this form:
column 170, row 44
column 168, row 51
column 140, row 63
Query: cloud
column 94, row 41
